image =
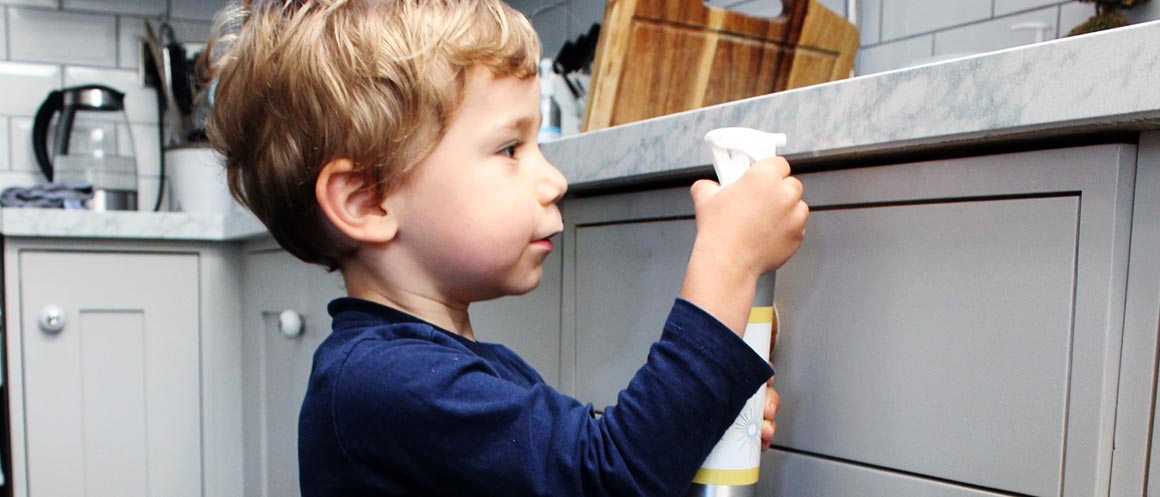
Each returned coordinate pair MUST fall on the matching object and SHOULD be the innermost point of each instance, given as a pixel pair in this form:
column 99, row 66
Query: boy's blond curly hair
column 301, row 83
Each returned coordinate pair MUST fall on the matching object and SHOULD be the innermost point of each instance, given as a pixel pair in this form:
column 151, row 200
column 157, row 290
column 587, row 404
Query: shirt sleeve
column 437, row 417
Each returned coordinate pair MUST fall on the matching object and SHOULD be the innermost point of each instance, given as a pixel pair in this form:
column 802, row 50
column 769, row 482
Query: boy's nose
column 554, row 184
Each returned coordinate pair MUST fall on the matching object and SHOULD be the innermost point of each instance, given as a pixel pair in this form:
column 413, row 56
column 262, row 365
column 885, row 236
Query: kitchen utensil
column 85, row 144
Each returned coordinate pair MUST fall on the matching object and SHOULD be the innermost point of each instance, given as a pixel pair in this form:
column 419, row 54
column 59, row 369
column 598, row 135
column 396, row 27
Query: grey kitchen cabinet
column 278, row 360
column 121, row 370
column 950, row 327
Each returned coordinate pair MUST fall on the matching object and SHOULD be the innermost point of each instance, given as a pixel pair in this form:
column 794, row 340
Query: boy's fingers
column 703, row 189
column 778, row 165
column 767, row 430
column 772, row 403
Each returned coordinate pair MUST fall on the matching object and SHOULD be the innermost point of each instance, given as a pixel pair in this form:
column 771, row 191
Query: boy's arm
column 443, row 420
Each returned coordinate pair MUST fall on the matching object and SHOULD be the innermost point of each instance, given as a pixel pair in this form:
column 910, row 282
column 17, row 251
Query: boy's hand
column 744, row 230
column 757, row 222
column 768, row 424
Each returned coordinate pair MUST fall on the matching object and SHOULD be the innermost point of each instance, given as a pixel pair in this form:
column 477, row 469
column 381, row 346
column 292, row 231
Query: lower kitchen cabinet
column 951, row 327
column 108, row 350
column 279, row 291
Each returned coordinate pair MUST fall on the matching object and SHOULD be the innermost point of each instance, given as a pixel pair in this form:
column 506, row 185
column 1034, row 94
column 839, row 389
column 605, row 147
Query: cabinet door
column 951, row 321
column 277, row 366
column 112, row 399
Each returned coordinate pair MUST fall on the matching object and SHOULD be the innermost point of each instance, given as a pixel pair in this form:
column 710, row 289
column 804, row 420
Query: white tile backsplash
column 199, row 10
column 902, row 18
column 62, row 37
column 768, row 9
column 869, row 21
column 1073, row 14
column 23, row 158
column 5, row 153
column 895, row 55
column 3, row 34
column 191, row 31
column 140, row 103
column 54, row 4
column 129, row 31
column 25, row 86
column 995, row 34
column 1004, row 7
column 140, row 7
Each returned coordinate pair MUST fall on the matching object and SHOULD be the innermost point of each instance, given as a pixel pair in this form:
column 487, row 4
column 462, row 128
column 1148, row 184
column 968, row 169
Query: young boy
column 395, row 141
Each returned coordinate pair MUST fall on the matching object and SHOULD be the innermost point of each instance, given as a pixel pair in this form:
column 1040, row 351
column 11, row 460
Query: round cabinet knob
column 52, row 319
column 290, row 323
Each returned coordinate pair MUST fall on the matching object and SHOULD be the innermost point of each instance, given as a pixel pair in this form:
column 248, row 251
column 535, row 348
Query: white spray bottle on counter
column 732, row 468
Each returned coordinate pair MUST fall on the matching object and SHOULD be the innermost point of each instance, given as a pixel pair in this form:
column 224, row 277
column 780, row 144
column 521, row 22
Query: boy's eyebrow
column 521, row 123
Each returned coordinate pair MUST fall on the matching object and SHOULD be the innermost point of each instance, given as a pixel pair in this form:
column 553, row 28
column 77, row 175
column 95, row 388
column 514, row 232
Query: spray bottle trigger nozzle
column 735, row 149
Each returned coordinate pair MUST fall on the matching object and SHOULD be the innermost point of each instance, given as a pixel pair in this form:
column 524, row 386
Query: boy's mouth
column 546, row 242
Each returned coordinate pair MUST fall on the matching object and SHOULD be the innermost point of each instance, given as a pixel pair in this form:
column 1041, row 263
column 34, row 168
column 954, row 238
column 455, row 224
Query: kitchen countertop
column 1102, row 82
column 1107, row 81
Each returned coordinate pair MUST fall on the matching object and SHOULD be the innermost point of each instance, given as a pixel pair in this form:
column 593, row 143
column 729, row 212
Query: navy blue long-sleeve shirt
column 396, row 406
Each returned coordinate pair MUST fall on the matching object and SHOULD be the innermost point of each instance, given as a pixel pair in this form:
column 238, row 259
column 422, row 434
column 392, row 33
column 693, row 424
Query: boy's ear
column 352, row 205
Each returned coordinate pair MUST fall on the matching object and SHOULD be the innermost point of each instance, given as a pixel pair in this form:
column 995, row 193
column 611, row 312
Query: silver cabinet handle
column 290, row 323
column 52, row 319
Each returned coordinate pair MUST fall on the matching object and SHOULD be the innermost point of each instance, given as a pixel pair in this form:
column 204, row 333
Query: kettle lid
column 93, row 97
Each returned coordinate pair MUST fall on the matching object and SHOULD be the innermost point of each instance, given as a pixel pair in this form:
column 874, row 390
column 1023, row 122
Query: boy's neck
column 447, row 316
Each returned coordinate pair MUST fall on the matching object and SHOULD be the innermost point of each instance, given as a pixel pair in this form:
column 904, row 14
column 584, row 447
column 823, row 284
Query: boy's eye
column 509, row 151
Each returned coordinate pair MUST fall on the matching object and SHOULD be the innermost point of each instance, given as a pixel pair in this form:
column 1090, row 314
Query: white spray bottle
column 732, row 468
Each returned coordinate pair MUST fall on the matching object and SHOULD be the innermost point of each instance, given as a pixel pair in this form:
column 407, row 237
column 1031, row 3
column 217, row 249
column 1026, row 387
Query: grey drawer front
column 797, row 475
column 933, row 338
column 957, row 320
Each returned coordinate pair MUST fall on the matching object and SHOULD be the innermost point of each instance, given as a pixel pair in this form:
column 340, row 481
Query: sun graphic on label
column 747, row 427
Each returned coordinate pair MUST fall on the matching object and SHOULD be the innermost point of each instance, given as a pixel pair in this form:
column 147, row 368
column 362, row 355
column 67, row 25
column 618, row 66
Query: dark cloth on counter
column 65, row 194
column 396, row 406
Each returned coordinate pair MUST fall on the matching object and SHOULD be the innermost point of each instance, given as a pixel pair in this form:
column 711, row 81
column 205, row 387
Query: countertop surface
column 1107, row 81
column 1102, row 82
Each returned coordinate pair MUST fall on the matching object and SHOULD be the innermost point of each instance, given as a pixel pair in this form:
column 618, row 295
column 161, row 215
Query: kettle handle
column 53, row 104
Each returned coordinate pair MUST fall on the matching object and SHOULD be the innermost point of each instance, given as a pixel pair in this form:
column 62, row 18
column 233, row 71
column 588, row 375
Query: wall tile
column 23, row 158
column 53, row 4
column 1143, row 13
column 129, row 30
column 198, row 10
column 1004, row 7
column 901, row 18
column 584, row 13
column 3, row 34
column 140, row 103
column 836, row 6
column 191, row 31
column 1072, row 15
column 869, row 21
column 894, row 55
column 5, row 150
column 758, row 8
column 141, row 7
column 25, row 86
column 35, row 35
column 19, row 178
column 994, row 34
column 551, row 22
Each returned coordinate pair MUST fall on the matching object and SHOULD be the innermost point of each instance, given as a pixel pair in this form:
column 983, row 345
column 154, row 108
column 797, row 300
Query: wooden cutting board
column 658, row 57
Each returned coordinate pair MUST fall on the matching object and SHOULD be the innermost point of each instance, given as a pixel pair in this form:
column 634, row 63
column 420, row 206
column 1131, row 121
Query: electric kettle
column 91, row 143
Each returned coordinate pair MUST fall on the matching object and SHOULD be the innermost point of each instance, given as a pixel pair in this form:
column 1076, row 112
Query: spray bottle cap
column 734, row 149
